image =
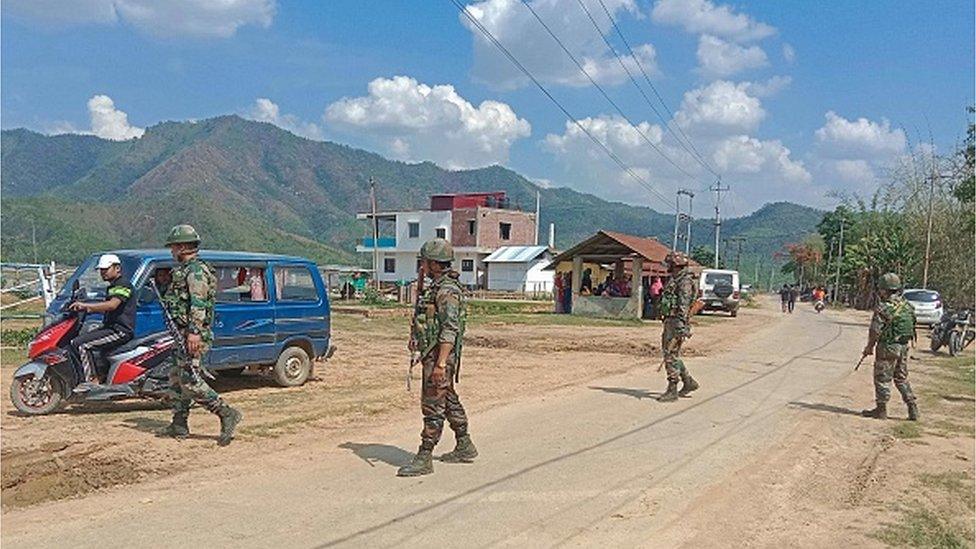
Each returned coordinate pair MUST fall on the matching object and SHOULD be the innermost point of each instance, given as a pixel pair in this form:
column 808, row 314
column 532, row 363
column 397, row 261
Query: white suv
column 927, row 305
column 720, row 290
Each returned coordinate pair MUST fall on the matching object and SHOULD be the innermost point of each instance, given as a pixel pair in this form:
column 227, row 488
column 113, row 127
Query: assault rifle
column 415, row 352
column 860, row 361
column 178, row 339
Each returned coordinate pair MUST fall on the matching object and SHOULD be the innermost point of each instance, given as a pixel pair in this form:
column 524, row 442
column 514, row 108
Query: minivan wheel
column 293, row 367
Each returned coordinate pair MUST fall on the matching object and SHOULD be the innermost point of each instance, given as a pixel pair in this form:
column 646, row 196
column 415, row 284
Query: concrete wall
column 522, row 233
column 429, row 222
column 406, row 266
column 520, row 277
column 605, row 307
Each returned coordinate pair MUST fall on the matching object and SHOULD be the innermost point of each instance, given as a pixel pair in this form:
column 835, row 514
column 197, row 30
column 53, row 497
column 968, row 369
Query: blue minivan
column 272, row 312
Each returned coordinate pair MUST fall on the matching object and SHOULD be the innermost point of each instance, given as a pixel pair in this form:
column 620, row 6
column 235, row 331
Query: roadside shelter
column 618, row 254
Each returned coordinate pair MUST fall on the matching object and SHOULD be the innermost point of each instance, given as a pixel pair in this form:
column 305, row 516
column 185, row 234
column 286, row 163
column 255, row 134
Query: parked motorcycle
column 819, row 306
column 954, row 330
column 47, row 382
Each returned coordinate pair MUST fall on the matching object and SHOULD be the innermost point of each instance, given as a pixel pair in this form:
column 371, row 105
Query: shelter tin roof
column 515, row 254
column 609, row 246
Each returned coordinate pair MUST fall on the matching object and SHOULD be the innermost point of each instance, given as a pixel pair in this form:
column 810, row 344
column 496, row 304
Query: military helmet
column 890, row 281
column 437, row 249
column 182, row 234
column 678, row 259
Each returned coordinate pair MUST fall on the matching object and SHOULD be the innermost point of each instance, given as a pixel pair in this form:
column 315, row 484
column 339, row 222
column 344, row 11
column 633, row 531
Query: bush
column 18, row 338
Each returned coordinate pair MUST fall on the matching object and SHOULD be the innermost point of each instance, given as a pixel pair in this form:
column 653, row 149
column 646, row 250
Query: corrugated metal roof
column 515, row 254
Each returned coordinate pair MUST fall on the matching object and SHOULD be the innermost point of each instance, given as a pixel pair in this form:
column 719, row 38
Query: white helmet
column 107, row 260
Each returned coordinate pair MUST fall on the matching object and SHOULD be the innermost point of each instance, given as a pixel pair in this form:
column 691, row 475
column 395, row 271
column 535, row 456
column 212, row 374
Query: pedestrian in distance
column 437, row 334
column 794, row 292
column 190, row 304
column 892, row 329
column 784, row 297
column 676, row 299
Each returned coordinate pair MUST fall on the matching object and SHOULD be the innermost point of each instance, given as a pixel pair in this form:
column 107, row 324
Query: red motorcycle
column 47, row 382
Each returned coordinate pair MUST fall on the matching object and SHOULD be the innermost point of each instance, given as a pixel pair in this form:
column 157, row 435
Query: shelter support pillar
column 577, row 278
column 637, row 286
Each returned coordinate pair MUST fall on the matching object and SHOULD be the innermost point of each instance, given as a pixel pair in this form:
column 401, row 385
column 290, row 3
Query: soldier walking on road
column 676, row 299
column 190, row 302
column 437, row 333
column 892, row 328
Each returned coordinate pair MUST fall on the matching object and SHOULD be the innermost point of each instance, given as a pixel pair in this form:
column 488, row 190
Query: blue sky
column 786, row 100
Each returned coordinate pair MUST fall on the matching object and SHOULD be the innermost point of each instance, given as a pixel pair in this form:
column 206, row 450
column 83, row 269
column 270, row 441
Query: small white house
column 519, row 269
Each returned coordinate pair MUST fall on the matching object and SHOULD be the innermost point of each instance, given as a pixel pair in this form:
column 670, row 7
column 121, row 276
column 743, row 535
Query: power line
column 647, row 79
column 604, row 92
column 667, row 126
column 559, row 105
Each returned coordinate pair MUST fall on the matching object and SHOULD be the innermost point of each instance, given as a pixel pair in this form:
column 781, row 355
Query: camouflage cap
column 437, row 249
column 890, row 281
column 182, row 234
column 678, row 259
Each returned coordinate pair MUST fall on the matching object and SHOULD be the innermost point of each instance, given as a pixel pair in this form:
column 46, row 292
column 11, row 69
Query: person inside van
column 118, row 324
column 163, row 276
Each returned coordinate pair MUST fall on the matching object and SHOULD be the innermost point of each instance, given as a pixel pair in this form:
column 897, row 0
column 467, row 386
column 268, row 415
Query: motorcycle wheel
column 37, row 397
column 955, row 343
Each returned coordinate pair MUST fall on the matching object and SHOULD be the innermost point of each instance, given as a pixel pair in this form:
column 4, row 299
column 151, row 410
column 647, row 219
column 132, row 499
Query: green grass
column 958, row 484
column 549, row 319
column 906, row 429
column 920, row 527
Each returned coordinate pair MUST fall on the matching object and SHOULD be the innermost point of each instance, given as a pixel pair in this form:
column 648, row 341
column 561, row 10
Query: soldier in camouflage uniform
column 190, row 302
column 436, row 333
column 676, row 300
column 890, row 351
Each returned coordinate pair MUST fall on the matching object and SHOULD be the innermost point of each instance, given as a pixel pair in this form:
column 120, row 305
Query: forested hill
column 252, row 186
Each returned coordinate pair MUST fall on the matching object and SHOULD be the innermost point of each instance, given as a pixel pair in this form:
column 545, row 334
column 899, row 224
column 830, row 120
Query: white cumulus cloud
column 170, row 18
column 108, row 122
column 265, row 110
column 741, row 154
column 414, row 121
column 718, row 57
column 769, row 88
column 789, row 54
column 705, row 17
column 720, row 107
column 843, row 138
column 514, row 26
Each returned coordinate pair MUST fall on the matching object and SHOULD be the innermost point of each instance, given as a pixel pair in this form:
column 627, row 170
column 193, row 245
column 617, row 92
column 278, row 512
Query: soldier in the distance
column 676, row 300
column 437, row 333
column 190, row 302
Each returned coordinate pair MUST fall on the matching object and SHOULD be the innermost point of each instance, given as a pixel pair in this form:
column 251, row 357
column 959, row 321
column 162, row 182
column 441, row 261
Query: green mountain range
column 252, row 186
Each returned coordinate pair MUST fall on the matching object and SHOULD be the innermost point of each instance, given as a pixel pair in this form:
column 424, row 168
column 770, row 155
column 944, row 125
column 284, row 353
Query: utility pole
column 677, row 217
column 376, row 234
column 688, row 218
column 840, row 260
column 718, row 189
column 755, row 278
column 738, row 240
column 538, row 204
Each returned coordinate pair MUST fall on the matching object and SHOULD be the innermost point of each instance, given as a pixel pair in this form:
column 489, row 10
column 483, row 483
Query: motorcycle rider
column 118, row 324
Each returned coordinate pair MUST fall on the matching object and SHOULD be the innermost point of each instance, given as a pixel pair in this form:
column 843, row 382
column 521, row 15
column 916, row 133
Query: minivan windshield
column 90, row 279
column 922, row 296
column 718, row 279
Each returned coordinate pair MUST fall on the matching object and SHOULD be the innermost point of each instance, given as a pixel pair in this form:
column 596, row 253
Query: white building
column 520, row 269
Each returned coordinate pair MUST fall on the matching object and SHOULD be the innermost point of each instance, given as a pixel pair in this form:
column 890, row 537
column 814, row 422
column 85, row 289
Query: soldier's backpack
column 901, row 329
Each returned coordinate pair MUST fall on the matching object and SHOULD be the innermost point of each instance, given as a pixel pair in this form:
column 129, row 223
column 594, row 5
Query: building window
column 471, row 226
column 295, row 284
column 413, row 229
column 389, row 264
column 467, row 265
column 440, row 232
column 505, row 231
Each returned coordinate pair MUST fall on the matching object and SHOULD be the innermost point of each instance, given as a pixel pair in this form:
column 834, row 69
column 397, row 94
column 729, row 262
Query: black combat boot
column 880, row 411
column 422, row 464
column 912, row 411
column 464, row 451
column 229, row 418
column 671, row 394
column 177, row 428
column 688, row 384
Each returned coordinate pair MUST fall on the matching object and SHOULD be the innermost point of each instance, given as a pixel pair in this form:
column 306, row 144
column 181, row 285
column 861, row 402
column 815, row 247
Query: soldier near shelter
column 190, row 302
column 892, row 328
column 437, row 332
column 676, row 300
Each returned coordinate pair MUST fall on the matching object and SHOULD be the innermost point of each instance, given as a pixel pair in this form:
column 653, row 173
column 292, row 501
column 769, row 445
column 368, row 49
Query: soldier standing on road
column 190, row 302
column 892, row 328
column 437, row 332
column 676, row 299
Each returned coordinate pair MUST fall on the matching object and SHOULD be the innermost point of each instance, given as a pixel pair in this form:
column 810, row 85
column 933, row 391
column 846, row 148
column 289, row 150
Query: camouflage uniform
column 190, row 301
column 680, row 292
column 890, row 357
column 441, row 323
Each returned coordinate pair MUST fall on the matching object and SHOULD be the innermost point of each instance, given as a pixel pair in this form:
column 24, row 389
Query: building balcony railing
column 382, row 242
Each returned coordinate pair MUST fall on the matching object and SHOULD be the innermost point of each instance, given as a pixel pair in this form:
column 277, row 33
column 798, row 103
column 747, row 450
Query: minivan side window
column 295, row 284
column 241, row 283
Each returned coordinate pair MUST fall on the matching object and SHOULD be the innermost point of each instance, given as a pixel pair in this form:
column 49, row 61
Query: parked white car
column 720, row 290
column 927, row 305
